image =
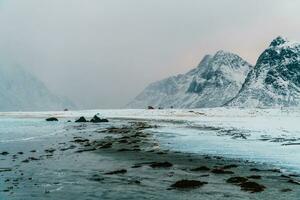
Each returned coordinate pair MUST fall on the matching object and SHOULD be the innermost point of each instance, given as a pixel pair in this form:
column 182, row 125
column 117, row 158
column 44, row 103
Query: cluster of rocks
column 129, row 139
column 82, row 119
column 133, row 138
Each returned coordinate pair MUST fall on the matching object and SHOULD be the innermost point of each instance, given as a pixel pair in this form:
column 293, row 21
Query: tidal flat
column 122, row 159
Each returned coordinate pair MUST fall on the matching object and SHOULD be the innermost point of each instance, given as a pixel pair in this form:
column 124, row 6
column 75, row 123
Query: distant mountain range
column 22, row 91
column 225, row 79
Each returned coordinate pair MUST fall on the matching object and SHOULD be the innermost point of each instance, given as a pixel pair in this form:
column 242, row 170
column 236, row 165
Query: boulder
column 188, row 184
column 97, row 119
column 51, row 119
column 81, row 119
column 252, row 187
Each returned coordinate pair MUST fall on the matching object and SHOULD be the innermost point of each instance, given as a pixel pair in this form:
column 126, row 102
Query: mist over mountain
column 215, row 81
column 22, row 91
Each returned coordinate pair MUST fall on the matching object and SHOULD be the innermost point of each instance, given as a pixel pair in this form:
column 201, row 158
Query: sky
column 102, row 53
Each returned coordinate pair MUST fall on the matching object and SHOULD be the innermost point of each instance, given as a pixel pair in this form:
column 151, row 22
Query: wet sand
column 123, row 161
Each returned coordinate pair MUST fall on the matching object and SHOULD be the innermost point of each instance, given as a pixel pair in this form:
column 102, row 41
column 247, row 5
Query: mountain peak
column 205, row 60
column 222, row 53
column 278, row 41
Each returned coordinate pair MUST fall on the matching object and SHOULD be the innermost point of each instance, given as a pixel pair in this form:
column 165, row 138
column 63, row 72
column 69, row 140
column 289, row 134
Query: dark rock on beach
column 237, row 180
column 254, row 177
column 161, row 165
column 252, row 187
column 202, row 168
column 97, row 119
column 121, row 171
column 4, row 153
column 81, row 120
column 52, row 119
column 221, row 171
column 187, row 184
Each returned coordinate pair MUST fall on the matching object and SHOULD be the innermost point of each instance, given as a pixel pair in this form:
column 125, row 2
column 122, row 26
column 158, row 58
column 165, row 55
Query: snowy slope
column 275, row 80
column 216, row 80
column 21, row 91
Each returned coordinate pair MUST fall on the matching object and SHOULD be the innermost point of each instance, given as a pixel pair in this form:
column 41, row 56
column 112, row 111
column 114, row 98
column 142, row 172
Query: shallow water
column 214, row 142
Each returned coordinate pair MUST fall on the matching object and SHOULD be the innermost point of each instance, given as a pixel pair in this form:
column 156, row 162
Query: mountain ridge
column 20, row 90
column 223, row 72
column 275, row 79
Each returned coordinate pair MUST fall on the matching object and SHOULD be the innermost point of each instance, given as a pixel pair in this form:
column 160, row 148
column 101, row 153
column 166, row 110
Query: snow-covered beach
column 263, row 135
column 253, row 138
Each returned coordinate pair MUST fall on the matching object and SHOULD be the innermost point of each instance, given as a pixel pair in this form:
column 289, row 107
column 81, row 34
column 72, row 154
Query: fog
column 102, row 53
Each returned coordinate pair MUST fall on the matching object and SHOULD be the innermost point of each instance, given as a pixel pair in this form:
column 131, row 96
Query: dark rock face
column 81, row 119
column 97, row 119
column 51, row 119
column 188, row 184
column 275, row 79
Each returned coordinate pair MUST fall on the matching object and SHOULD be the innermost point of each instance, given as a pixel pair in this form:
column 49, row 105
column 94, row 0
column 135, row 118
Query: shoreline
column 126, row 161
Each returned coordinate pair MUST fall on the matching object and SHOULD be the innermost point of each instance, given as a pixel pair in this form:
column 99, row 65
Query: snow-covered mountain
column 215, row 81
column 21, row 91
column 275, row 79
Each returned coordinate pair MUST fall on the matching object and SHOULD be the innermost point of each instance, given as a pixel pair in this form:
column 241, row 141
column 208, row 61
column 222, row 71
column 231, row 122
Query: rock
column 150, row 108
column 136, row 166
column 188, row 184
column 255, row 170
column 86, row 149
column 294, row 182
column 80, row 140
column 254, row 177
column 51, row 150
column 161, row 165
column 286, row 190
column 236, row 180
column 81, row 120
column 30, row 159
column 4, row 153
column 202, row 168
column 106, row 146
column 5, row 169
column 97, row 119
column 52, row 119
column 221, row 171
column 96, row 178
column 68, row 148
column 230, row 166
column 122, row 171
column 252, row 187
column 137, row 182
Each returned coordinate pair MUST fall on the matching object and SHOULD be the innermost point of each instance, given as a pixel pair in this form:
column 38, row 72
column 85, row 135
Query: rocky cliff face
column 215, row 81
column 275, row 79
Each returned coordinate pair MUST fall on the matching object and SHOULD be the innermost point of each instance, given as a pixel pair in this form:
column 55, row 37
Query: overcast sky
column 102, row 53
